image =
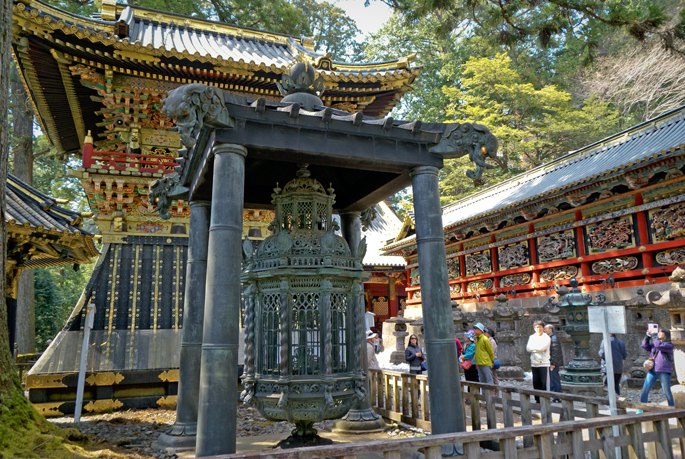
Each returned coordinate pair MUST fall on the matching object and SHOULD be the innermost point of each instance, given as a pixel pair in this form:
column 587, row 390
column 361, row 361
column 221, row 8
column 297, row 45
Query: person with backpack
column 468, row 357
column 659, row 364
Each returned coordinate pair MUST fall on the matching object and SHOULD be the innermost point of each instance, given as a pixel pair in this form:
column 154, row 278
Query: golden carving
column 104, row 379
column 169, row 376
column 100, row 406
column 44, row 381
column 49, row 409
column 645, row 271
column 642, row 248
column 167, row 402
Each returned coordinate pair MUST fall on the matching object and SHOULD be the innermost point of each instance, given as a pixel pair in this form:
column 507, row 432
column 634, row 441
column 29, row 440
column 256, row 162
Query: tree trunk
column 9, row 379
column 22, row 154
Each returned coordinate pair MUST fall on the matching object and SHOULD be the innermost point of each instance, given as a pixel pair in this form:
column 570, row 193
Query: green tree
column 552, row 22
column 58, row 289
column 331, row 28
column 534, row 125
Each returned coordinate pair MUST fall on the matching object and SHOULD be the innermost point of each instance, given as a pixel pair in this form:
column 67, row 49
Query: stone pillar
column 217, row 410
column 361, row 418
column 183, row 433
column 506, row 317
column 443, row 371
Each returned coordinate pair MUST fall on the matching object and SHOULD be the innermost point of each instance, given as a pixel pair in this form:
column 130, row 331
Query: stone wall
column 534, row 311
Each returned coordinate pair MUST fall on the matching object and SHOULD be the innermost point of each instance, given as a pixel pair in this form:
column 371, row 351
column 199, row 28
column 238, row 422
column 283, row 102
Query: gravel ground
column 132, row 432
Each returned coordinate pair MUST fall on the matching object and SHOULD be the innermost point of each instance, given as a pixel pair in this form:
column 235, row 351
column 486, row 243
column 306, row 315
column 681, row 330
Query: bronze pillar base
column 360, row 422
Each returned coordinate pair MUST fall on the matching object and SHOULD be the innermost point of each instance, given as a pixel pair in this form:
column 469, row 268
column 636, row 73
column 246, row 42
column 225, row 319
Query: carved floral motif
column 455, row 288
column 513, row 256
column 614, row 265
column 453, row 271
column 671, row 257
column 556, row 247
column 478, row 263
column 668, row 223
column 515, row 279
column 414, row 277
column 483, row 284
column 616, row 234
column 558, row 273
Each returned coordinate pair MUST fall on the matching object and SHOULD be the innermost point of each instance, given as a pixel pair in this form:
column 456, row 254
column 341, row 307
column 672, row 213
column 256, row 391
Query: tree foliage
column 548, row 23
column 641, row 82
column 534, row 125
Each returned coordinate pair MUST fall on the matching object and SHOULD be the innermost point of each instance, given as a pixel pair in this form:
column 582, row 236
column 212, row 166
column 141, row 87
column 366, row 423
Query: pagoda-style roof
column 158, row 51
column 40, row 233
column 624, row 160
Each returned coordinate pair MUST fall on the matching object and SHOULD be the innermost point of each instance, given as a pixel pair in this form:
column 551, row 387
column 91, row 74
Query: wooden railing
column 390, row 400
column 123, row 161
column 647, row 435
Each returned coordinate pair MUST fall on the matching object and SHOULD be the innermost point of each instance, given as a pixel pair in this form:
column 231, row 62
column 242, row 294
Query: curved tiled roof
column 28, row 207
column 647, row 141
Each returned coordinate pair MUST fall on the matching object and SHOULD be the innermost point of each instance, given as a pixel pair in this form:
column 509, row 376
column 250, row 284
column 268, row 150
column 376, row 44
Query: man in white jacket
column 538, row 346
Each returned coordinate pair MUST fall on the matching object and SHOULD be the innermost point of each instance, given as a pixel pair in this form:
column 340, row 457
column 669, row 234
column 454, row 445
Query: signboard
column 615, row 317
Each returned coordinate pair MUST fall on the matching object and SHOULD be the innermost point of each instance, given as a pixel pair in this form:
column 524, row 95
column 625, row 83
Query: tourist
column 469, row 355
column 490, row 333
column 618, row 354
column 371, row 350
column 485, row 357
column 460, row 349
column 538, row 346
column 556, row 361
column 414, row 355
column 661, row 356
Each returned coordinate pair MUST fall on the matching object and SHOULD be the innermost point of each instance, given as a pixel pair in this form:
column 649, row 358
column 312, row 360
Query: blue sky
column 369, row 19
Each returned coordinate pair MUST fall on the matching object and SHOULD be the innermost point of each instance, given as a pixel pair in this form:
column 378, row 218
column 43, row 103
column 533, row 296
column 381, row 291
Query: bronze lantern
column 304, row 311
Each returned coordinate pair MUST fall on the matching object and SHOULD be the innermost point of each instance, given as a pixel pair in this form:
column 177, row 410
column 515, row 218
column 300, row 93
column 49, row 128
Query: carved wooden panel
column 557, row 246
column 453, row 268
column 610, row 235
column 484, row 284
column 667, row 223
column 515, row 279
column 513, row 256
column 614, row 265
column 414, row 278
column 671, row 257
column 380, row 306
column 558, row 273
column 478, row 263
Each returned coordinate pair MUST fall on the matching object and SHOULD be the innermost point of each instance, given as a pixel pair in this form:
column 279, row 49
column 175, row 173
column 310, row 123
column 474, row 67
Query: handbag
column 496, row 364
column 648, row 364
column 466, row 364
column 424, row 367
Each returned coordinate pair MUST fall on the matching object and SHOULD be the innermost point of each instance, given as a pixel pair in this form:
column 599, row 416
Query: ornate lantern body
column 303, row 312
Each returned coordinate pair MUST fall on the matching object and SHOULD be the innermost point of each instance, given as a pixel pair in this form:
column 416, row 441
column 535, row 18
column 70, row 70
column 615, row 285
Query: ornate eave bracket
column 470, row 139
column 195, row 106
column 161, row 191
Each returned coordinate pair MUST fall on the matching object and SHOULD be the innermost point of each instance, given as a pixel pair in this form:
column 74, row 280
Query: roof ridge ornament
column 475, row 140
column 302, row 86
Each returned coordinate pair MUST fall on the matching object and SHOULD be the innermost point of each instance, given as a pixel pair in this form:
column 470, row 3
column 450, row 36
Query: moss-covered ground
column 26, row 434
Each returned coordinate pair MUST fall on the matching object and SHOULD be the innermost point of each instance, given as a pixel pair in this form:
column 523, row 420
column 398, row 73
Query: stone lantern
column 304, row 318
column 583, row 375
column 673, row 301
column 400, row 333
column 505, row 318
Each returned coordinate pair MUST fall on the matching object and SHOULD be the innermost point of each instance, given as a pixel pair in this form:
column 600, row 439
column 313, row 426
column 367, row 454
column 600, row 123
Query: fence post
column 526, row 418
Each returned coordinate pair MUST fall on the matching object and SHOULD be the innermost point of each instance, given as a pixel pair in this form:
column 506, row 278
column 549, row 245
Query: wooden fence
column 573, row 428
column 390, row 400
column 647, row 435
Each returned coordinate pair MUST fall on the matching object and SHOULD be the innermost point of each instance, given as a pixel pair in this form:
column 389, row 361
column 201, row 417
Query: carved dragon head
column 192, row 105
column 470, row 139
